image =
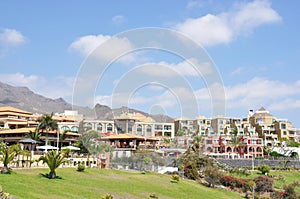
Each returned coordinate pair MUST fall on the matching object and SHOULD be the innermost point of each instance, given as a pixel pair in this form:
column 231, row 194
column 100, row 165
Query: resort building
column 106, row 127
column 229, row 146
column 15, row 124
column 139, row 124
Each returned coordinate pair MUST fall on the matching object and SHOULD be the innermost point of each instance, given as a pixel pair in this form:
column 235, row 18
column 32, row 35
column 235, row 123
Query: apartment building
column 185, row 126
column 203, row 126
column 285, row 130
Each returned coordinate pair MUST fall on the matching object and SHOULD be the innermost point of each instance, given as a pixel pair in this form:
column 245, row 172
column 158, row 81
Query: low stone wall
column 257, row 162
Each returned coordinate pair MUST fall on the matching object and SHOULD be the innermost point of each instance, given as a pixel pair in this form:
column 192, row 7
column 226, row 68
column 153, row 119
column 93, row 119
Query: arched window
column 89, row 126
column 99, row 127
column 65, row 128
column 139, row 129
column 209, row 149
column 258, row 149
column 228, row 150
column 148, row 130
column 109, row 128
column 74, row 129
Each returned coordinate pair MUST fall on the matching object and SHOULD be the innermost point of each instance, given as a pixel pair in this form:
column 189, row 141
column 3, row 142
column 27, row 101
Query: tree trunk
column 52, row 175
column 4, row 170
column 88, row 160
column 46, row 141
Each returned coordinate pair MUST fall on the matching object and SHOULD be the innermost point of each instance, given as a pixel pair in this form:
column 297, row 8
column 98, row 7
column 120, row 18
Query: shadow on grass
column 46, row 175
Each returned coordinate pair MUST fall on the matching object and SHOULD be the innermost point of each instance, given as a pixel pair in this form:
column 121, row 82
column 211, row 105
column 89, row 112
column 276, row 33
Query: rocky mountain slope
column 23, row 98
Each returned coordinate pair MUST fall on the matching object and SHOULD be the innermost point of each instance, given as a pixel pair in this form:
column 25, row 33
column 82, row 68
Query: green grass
column 93, row 183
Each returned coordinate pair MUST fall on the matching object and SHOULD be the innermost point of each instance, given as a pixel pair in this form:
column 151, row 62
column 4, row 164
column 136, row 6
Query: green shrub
column 3, row 195
column 81, row 167
column 107, row 196
column 264, row 169
column 175, row 178
column 153, row 195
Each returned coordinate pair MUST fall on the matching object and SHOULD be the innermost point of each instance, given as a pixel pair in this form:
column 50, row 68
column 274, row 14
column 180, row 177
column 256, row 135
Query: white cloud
column 118, row 19
column 237, row 71
column 287, row 104
column 184, row 68
column 12, row 37
column 52, row 88
column 212, row 29
column 114, row 48
column 86, row 44
column 194, row 4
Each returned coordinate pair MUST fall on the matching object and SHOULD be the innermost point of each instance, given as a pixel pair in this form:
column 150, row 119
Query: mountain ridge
column 23, row 98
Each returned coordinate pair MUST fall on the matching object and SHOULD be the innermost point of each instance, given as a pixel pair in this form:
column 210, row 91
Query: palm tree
column 53, row 159
column 16, row 148
column 236, row 142
column 87, row 141
column 35, row 135
column 7, row 156
column 62, row 137
column 28, row 155
column 47, row 123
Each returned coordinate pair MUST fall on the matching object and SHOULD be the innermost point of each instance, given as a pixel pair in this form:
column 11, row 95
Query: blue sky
column 255, row 46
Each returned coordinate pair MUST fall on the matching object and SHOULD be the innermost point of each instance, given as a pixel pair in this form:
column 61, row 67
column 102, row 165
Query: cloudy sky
column 253, row 45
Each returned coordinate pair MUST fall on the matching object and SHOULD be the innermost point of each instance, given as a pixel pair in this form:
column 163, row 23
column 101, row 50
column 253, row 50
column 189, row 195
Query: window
column 149, row 129
column 283, row 126
column 139, row 129
column 65, row 128
column 89, row 126
column 167, row 127
column 120, row 128
column 129, row 128
column 109, row 127
column 74, row 129
column 99, row 127
column 158, row 127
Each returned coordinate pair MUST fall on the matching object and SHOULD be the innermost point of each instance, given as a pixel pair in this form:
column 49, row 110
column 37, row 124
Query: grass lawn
column 93, row 183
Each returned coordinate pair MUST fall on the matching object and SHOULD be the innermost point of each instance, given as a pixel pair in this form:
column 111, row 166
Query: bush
column 276, row 195
column 264, row 169
column 107, row 196
column 289, row 190
column 212, row 175
column 233, row 182
column 153, row 195
column 175, row 178
column 81, row 167
column 263, row 184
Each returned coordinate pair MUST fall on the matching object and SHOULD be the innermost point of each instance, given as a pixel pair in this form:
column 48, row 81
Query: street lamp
column 252, row 158
column 57, row 141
